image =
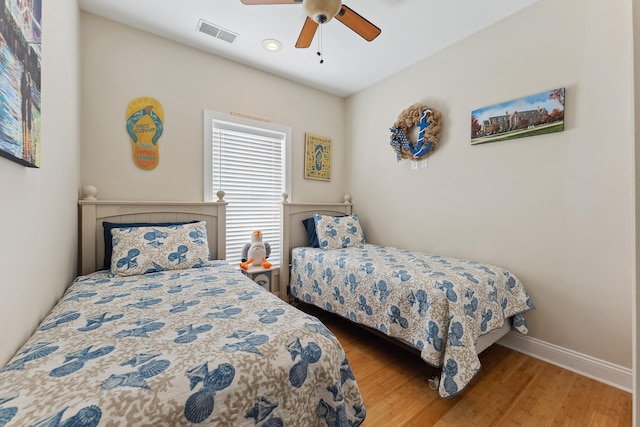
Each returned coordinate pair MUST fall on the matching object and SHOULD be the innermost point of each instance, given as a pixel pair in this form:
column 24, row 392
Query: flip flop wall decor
column 144, row 125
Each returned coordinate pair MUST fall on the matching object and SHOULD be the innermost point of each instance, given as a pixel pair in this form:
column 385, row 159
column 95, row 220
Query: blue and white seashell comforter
column 203, row 346
column 439, row 305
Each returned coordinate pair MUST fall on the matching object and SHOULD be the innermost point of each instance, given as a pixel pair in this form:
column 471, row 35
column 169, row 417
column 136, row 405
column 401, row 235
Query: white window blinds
column 248, row 162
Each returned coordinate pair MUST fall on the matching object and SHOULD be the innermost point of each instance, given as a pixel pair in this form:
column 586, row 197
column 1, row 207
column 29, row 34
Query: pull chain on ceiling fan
column 320, row 46
column 321, row 12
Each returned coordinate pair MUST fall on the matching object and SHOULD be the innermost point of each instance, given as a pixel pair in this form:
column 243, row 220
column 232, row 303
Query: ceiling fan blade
column 357, row 23
column 306, row 35
column 271, row 1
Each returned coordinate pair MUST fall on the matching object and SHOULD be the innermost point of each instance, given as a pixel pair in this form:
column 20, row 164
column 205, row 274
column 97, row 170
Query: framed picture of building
column 20, row 35
column 529, row 116
column 317, row 157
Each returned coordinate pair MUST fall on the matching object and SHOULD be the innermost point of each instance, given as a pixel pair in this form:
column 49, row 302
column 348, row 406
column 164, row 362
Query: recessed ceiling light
column 272, row 45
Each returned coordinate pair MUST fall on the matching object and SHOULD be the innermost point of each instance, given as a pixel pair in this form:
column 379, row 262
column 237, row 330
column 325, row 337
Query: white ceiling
column 411, row 31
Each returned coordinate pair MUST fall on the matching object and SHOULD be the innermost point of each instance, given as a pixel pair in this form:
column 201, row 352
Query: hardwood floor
column 511, row 389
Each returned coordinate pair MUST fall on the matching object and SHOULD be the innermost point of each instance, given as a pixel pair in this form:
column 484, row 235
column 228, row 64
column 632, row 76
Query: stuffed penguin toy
column 256, row 252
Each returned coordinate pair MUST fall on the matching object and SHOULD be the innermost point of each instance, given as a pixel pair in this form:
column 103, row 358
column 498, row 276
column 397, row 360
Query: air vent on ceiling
column 216, row 31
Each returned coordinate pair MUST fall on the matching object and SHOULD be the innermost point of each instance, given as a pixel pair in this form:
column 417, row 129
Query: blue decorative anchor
column 421, row 148
column 401, row 143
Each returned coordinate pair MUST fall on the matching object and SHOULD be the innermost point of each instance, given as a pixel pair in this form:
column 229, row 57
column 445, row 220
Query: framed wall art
column 20, row 35
column 317, row 157
column 529, row 116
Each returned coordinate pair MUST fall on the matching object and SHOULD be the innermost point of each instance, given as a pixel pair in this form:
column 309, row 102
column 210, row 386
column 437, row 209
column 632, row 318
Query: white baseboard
column 600, row 370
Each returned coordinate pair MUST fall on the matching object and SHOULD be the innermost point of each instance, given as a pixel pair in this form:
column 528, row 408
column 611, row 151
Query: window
column 247, row 159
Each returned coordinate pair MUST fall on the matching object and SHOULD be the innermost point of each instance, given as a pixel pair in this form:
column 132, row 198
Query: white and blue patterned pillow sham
column 139, row 250
column 338, row 232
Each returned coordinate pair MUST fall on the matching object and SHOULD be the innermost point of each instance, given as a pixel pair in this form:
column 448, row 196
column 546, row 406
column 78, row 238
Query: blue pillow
column 312, row 237
column 108, row 239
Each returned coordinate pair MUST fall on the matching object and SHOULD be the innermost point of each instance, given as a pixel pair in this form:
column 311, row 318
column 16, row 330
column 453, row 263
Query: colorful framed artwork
column 20, row 36
column 317, row 157
column 529, row 116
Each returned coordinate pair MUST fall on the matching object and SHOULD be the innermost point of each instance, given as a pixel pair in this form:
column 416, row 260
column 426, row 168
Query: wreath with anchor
column 427, row 121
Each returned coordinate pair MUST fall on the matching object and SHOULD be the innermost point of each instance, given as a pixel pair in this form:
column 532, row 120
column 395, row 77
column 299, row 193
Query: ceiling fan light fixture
column 272, row 45
column 321, row 11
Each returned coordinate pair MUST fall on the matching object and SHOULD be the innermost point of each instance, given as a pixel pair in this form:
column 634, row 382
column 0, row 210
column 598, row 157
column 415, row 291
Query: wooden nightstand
column 262, row 276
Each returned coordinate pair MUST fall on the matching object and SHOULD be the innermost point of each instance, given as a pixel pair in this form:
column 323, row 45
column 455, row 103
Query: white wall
column 120, row 63
column 636, row 294
column 556, row 209
column 38, row 218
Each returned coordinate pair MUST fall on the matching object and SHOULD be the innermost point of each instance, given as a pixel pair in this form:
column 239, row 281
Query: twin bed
column 184, row 341
column 447, row 309
column 159, row 331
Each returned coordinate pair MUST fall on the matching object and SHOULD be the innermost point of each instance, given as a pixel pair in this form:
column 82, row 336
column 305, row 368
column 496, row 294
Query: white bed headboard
column 295, row 235
column 94, row 212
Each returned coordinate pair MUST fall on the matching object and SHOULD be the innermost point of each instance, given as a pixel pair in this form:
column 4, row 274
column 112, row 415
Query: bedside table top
column 259, row 269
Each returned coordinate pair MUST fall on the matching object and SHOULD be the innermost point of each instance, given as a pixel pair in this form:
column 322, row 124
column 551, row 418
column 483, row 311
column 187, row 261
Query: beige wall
column 120, row 63
column 555, row 209
column 38, row 218
column 636, row 319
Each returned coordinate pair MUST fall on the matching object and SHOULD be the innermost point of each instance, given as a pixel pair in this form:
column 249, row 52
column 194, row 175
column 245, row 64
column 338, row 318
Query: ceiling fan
column 321, row 12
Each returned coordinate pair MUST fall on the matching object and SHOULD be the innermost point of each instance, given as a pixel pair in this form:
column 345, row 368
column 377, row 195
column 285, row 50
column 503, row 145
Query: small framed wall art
column 317, row 157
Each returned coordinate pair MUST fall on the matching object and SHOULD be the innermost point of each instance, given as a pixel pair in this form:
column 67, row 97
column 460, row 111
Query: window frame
column 209, row 117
